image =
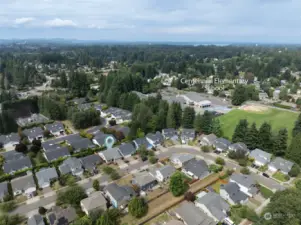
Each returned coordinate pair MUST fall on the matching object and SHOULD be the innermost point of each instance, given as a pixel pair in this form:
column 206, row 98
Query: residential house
column 276, row 94
column 231, row 192
column 36, row 219
column 213, row 205
column 239, row 147
column 79, row 101
column 110, row 155
column 84, row 106
column 208, row 140
column 180, row 159
column 3, row 190
column 164, row 173
column 57, row 153
column 56, row 128
column 34, row 133
column 119, row 196
column 9, row 141
column 280, row 164
column 15, row 165
column 260, row 157
column 246, row 183
column 82, row 144
column 126, row 150
column 24, row 185
column 12, row 155
column 144, row 180
column 125, row 130
column 187, row 135
column 263, row 96
column 155, row 139
column 46, row 176
column 95, row 201
column 142, row 141
column 100, row 139
column 90, row 162
column 196, row 169
column 71, row 165
column 170, row 133
column 60, row 216
column 95, row 130
column 221, row 144
column 191, row 215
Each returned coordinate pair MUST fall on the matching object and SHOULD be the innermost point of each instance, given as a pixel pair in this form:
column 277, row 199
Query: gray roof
column 141, row 141
column 35, row 220
column 143, row 178
column 125, row 130
column 157, row 138
column 46, row 175
column 215, row 204
column 167, row 170
column 13, row 137
column 282, row 164
column 94, row 130
column 261, row 156
column 23, row 183
column 239, row 146
column 82, row 143
column 182, row 157
column 198, row 167
column 101, row 137
column 84, row 106
column 54, row 143
column 15, row 165
column 169, row 132
column 234, row 192
column 120, row 193
column 111, row 154
column 12, row 155
column 71, row 165
column 245, row 180
column 3, row 189
column 60, row 216
column 94, row 201
column 57, row 153
column 210, row 138
column 126, row 149
column 90, row 161
column 191, row 215
column 119, row 113
column 222, row 143
column 79, row 100
column 55, row 127
column 33, row 132
column 188, row 133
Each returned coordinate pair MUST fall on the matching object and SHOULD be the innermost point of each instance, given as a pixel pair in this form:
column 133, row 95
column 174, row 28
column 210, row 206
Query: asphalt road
column 31, row 208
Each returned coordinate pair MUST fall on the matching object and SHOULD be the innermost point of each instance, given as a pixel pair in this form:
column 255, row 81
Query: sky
column 265, row 21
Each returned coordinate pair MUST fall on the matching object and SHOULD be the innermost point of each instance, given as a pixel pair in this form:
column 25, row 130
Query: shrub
column 205, row 148
column 294, row 171
column 245, row 170
column 114, row 175
column 242, row 162
column 298, row 184
column 220, row 161
column 189, row 196
column 42, row 210
column 153, row 160
column 215, row 168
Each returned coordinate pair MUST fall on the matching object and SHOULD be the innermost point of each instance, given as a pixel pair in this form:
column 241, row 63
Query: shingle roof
column 54, row 127
column 222, row 143
column 60, row 216
column 245, row 180
column 100, row 138
column 15, row 165
column 143, row 178
column 46, row 175
column 12, row 155
column 215, row 204
column 126, row 149
column 57, row 153
column 182, row 157
column 70, row 164
column 188, row 133
column 167, row 170
column 13, row 137
column 141, row 141
column 120, row 193
column 234, row 192
column 82, row 143
column 33, row 132
column 23, row 183
column 191, row 215
column 35, row 220
column 282, row 164
column 94, row 201
column 198, row 167
column 261, row 156
column 90, row 161
column 157, row 138
column 110, row 154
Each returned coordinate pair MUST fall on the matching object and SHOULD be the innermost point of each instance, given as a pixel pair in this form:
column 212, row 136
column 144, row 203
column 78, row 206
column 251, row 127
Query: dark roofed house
column 59, row 216
column 187, row 135
column 24, row 185
column 71, row 165
column 79, row 101
column 239, row 147
column 221, row 144
column 36, row 219
column 33, row 133
column 16, row 165
column 84, row 106
column 126, row 150
column 100, row 139
column 280, row 164
column 56, row 128
column 57, row 153
column 232, row 193
column 110, row 155
column 180, row 159
column 142, row 141
column 170, row 133
column 82, row 144
column 94, row 202
column 208, row 140
column 125, row 130
column 46, row 176
column 164, row 172
column 155, row 139
column 119, row 195
column 3, row 190
column 144, row 180
column 12, row 155
column 94, row 130
column 9, row 141
column 197, row 169
column 90, row 162
column 246, row 183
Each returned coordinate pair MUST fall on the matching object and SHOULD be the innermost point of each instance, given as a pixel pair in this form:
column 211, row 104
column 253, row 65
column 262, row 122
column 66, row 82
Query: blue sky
column 153, row 20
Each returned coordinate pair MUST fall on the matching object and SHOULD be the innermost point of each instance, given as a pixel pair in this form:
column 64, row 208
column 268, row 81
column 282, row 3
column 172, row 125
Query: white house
column 260, row 157
column 179, row 159
column 164, row 173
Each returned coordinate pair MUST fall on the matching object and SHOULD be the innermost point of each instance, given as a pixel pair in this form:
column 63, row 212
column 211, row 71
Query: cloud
column 60, row 23
column 24, row 20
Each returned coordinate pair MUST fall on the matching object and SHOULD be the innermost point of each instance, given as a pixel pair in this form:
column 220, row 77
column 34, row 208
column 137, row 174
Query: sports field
column 276, row 117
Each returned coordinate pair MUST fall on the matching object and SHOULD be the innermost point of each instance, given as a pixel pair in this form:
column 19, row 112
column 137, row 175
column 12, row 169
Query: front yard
column 240, row 212
column 266, row 193
column 281, row 177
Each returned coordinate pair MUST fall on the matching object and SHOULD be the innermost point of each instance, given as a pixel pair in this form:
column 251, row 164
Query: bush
column 294, row 171
column 42, row 210
column 220, row 161
column 8, row 206
column 114, row 175
column 138, row 207
column 245, row 170
column 96, row 185
column 215, row 168
column 242, row 162
column 153, row 160
column 205, row 148
column 189, row 196
column 298, row 184
column 108, row 170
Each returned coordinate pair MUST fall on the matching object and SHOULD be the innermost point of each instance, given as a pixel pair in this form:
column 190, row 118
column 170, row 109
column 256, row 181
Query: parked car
column 265, row 175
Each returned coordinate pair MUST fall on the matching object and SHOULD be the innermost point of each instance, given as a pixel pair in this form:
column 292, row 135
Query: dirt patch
column 254, row 108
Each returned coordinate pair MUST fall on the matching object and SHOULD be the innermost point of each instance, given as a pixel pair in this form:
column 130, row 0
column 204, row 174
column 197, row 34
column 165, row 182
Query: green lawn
column 280, row 176
column 266, row 193
column 277, row 118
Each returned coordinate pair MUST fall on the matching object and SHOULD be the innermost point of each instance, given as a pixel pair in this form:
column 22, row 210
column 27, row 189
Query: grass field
column 277, row 118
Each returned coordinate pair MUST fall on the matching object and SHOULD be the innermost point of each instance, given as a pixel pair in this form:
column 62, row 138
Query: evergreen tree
column 297, row 127
column 239, row 95
column 240, row 131
column 294, row 151
column 216, row 128
column 178, row 114
column 188, row 117
column 280, row 143
column 251, row 139
column 198, row 122
column 265, row 141
column 171, row 117
column 63, row 79
column 206, row 122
